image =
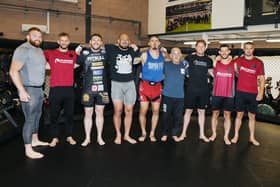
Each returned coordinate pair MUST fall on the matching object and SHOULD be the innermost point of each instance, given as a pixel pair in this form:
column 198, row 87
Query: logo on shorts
column 94, row 88
column 86, row 97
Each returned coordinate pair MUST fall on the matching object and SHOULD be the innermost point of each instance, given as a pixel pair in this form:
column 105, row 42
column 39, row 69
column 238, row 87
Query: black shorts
column 246, row 102
column 196, row 100
column 89, row 99
column 222, row 103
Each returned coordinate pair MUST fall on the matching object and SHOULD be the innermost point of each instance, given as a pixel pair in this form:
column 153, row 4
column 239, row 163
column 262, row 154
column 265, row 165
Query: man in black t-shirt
column 95, row 91
column 123, row 91
column 197, row 91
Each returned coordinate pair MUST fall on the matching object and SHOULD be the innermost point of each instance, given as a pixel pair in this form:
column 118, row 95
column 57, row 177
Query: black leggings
column 172, row 108
column 61, row 98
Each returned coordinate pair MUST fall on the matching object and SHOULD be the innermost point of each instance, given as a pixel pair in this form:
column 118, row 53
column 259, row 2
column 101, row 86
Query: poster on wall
column 191, row 16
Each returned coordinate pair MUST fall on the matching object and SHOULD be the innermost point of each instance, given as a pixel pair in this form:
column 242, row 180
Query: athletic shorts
column 222, row 103
column 89, row 98
column 246, row 102
column 195, row 100
column 150, row 91
column 124, row 91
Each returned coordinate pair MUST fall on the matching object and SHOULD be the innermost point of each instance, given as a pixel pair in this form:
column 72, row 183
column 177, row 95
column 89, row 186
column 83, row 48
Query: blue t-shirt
column 174, row 75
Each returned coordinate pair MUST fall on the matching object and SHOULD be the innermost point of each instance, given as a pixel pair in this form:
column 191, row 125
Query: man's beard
column 154, row 48
column 63, row 48
column 35, row 44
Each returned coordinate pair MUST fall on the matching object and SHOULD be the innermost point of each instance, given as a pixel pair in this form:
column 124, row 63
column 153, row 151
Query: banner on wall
column 191, row 16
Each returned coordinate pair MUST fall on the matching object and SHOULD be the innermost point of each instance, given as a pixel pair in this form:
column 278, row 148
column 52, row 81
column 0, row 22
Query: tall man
column 61, row 62
column 95, row 91
column 250, row 89
column 150, row 86
column 223, row 91
column 28, row 72
column 197, row 91
column 123, row 91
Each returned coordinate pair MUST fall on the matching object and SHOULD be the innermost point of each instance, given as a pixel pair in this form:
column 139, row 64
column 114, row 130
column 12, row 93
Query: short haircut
column 96, row 34
column 200, row 41
column 224, row 45
column 153, row 36
column 34, row 29
column 249, row 43
column 63, row 34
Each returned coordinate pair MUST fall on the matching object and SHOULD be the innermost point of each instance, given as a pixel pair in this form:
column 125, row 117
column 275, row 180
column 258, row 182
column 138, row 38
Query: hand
column 134, row 46
column 24, row 96
column 218, row 58
column 163, row 50
column 259, row 97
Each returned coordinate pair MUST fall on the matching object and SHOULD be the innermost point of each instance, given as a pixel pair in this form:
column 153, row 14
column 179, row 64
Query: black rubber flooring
column 189, row 163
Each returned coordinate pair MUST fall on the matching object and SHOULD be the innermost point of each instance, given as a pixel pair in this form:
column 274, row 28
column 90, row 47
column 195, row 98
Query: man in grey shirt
column 28, row 72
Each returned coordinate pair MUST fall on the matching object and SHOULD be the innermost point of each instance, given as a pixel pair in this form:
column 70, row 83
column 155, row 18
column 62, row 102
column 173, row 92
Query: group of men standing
column 180, row 84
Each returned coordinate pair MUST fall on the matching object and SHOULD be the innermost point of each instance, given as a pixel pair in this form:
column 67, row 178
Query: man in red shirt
column 223, row 91
column 61, row 62
column 250, row 88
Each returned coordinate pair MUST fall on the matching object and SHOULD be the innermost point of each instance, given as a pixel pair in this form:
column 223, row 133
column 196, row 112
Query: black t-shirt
column 121, row 63
column 93, row 63
column 198, row 73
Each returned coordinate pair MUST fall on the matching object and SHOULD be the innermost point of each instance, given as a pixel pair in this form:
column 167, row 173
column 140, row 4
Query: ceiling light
column 234, row 41
column 190, row 43
column 273, row 40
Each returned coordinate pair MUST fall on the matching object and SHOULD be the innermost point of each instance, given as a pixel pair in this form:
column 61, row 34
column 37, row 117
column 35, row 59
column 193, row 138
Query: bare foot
column 153, row 138
column 130, row 140
column 203, row 138
column 100, row 141
column 164, row 138
column 234, row 139
column 54, row 142
column 142, row 138
column 254, row 142
column 39, row 143
column 213, row 137
column 71, row 141
column 85, row 142
column 118, row 140
column 176, row 138
column 227, row 141
column 30, row 153
column 182, row 137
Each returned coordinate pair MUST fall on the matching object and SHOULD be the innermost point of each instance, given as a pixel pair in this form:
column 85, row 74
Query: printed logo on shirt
column 124, row 64
column 155, row 66
column 96, row 64
column 97, row 78
column 85, row 52
column 86, row 97
column 182, row 71
column 221, row 74
column 251, row 71
column 229, row 69
column 63, row 61
column 200, row 63
column 95, row 58
column 254, row 65
column 97, row 72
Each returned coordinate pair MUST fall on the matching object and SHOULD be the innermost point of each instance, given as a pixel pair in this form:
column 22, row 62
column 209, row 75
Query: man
column 123, row 91
column 223, row 91
column 173, row 94
column 28, row 72
column 61, row 62
column 150, row 86
column 250, row 75
column 95, row 91
column 197, row 91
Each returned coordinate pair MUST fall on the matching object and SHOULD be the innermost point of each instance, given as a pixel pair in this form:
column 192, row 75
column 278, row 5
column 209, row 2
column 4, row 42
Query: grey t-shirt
column 33, row 60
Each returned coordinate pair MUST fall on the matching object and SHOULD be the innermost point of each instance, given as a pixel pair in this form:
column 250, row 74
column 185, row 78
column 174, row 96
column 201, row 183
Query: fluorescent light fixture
column 234, row 41
column 190, row 43
column 273, row 40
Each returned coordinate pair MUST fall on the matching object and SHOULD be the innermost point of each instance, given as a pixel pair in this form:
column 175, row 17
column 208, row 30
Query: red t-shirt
column 62, row 67
column 224, row 75
column 248, row 72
